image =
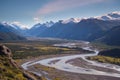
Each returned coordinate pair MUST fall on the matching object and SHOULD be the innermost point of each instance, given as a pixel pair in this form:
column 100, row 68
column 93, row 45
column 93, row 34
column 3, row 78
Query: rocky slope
column 9, row 70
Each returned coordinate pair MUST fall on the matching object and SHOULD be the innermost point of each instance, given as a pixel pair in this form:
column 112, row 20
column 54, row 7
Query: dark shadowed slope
column 87, row 29
column 111, row 37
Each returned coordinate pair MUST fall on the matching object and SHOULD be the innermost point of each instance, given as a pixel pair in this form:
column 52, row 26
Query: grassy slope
column 105, row 59
column 8, row 71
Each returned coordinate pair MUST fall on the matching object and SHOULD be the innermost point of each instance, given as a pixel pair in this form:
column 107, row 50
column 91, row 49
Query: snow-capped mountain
column 110, row 16
column 14, row 25
column 89, row 29
column 38, row 28
column 6, row 24
column 15, row 28
column 71, row 20
column 49, row 24
column 36, row 25
column 7, row 32
column 19, row 25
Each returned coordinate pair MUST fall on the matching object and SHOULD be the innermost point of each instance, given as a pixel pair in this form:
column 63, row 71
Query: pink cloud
column 60, row 5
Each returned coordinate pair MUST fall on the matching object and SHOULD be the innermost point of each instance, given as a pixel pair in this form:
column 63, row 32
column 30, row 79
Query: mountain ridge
column 88, row 29
column 9, row 33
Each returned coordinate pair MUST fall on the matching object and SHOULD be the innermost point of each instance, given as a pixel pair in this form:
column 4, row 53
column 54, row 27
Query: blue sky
column 29, row 12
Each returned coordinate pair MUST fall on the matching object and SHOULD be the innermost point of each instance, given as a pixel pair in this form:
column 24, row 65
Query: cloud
column 60, row 5
column 36, row 20
column 20, row 25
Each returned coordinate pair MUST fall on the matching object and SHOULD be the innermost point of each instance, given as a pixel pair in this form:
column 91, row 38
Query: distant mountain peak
column 116, row 12
column 19, row 25
column 110, row 16
column 4, row 23
column 71, row 20
column 49, row 24
column 13, row 25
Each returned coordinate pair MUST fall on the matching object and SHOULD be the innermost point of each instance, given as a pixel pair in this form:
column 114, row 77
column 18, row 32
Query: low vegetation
column 26, row 49
column 8, row 71
column 107, row 54
column 105, row 59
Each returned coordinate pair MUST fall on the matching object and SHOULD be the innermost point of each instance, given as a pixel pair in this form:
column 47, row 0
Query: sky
column 26, row 13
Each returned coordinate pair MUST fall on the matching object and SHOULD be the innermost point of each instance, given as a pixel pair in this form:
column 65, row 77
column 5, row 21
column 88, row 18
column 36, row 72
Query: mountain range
column 105, row 28
column 10, row 32
column 110, row 16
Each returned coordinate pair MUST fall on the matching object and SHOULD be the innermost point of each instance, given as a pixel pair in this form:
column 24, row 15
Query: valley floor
column 62, row 60
column 72, row 67
column 54, row 74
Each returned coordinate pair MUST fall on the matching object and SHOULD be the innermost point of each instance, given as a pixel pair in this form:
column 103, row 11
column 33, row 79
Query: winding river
column 63, row 64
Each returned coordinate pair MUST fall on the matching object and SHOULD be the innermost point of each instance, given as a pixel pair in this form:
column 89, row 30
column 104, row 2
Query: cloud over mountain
column 61, row 5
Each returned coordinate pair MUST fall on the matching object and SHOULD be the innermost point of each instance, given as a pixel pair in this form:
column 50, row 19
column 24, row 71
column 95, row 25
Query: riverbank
column 60, row 64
